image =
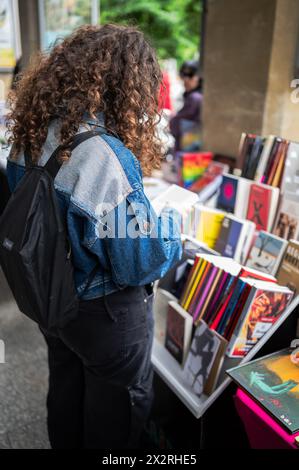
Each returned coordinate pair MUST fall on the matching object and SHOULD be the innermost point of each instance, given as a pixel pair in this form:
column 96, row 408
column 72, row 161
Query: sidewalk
column 23, row 379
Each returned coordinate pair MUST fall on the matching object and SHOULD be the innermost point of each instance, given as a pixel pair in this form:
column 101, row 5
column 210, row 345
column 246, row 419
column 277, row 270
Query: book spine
column 210, row 280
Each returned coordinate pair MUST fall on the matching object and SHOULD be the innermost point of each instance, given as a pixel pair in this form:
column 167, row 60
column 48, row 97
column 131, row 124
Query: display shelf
column 171, row 372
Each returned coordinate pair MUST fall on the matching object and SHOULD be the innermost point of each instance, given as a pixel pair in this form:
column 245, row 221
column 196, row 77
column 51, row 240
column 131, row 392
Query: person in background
column 190, row 114
column 100, row 78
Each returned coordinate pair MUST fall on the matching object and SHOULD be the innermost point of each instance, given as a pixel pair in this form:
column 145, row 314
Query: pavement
column 23, row 379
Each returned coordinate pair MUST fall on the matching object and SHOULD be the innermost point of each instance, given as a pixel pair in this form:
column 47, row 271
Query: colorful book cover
column 261, row 312
column 273, row 381
column 288, row 273
column 266, row 253
column 200, row 359
column 210, row 279
column 228, row 238
column 193, row 166
column 228, row 193
column 213, row 171
column 254, row 158
column 259, row 204
column 201, row 284
column 178, row 331
column 287, row 222
column 209, row 226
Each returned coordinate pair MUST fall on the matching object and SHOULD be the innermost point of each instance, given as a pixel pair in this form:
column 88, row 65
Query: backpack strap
column 53, row 165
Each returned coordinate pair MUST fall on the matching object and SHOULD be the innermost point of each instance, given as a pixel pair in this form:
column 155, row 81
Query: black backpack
column 35, row 253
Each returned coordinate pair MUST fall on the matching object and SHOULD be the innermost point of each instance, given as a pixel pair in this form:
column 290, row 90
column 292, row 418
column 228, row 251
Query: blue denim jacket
column 116, row 237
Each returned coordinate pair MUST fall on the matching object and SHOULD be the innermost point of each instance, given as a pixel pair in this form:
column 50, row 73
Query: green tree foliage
column 173, row 26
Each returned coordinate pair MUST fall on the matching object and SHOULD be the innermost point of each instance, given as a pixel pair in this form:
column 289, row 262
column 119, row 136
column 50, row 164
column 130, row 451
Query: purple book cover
column 216, row 297
column 205, row 292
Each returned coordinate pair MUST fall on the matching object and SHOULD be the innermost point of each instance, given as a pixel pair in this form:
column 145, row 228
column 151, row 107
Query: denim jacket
column 116, row 237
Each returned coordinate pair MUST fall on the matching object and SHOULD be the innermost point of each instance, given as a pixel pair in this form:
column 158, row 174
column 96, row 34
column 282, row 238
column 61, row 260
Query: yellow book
column 209, row 227
column 189, row 283
column 195, row 283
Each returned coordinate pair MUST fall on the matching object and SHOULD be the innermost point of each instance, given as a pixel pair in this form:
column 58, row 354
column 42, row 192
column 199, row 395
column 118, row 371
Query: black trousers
column 100, row 382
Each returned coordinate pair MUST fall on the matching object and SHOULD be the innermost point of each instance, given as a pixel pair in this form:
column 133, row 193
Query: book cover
column 200, row 359
column 214, row 170
column 266, row 253
column 273, row 381
column 288, row 273
column 204, row 293
column 228, row 193
column 259, row 205
column 160, row 307
column 229, row 236
column 202, row 267
column 178, row 331
column 193, row 166
column 262, row 310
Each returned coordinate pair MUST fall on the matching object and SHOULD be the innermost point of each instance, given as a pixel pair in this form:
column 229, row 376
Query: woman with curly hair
column 100, row 78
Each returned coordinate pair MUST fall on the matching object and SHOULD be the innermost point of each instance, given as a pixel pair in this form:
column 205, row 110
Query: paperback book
column 178, row 332
column 265, row 303
column 262, row 205
column 267, row 253
column 204, row 360
column 273, row 382
column 290, row 181
column 235, row 237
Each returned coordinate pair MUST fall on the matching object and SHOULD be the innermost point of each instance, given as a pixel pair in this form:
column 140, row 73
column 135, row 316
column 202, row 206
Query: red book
column 259, row 204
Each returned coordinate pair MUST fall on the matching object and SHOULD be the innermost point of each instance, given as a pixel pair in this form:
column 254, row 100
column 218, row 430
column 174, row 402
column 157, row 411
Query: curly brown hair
column 111, row 69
